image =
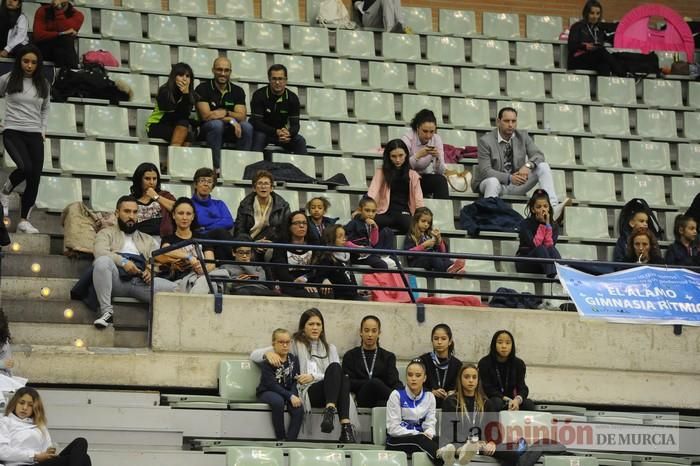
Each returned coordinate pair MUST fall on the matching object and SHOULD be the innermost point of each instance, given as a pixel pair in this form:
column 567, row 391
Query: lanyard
column 370, row 370
column 500, row 383
column 472, row 422
column 441, row 383
column 593, row 32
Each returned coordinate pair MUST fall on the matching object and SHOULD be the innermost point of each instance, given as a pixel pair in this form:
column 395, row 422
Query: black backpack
column 639, row 205
column 91, row 82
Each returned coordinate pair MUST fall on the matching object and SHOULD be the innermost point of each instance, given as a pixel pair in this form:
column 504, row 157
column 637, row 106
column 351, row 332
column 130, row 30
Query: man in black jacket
column 275, row 114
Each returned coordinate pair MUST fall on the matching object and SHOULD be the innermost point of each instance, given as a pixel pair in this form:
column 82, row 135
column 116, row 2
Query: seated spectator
column 214, row 220
column 427, row 154
column 56, row 27
column 222, row 111
column 13, row 27
column 337, row 274
column 316, row 209
column 250, row 273
column 170, row 119
column 396, row 188
column 262, row 214
column 371, row 368
column 182, row 266
column 511, row 163
column 275, row 114
column 684, row 250
column 643, row 248
column 502, row 375
column 441, row 364
column 154, row 204
column 381, row 14
column 538, row 236
column 363, row 232
column 121, row 257
column 587, row 44
column 635, row 214
column 6, row 361
column 295, row 261
column 423, row 237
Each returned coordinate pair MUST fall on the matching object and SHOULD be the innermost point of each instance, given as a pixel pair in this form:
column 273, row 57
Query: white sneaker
column 559, row 210
column 25, row 227
column 104, row 321
column 467, row 452
column 5, row 202
column 447, row 454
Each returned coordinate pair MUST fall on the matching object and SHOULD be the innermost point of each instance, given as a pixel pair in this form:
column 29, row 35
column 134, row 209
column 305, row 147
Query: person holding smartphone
column 427, row 155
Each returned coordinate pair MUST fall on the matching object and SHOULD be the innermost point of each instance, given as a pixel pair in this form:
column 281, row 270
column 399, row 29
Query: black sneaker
column 347, row 433
column 328, row 419
column 104, row 321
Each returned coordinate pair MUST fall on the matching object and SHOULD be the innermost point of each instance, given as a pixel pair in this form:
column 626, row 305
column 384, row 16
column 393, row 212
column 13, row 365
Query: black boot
column 328, row 419
column 347, row 434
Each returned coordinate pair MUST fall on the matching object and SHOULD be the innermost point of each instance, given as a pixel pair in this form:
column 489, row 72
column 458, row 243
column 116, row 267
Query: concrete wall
column 568, row 360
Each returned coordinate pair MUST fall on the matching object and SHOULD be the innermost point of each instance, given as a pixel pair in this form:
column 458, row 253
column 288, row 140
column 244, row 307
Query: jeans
column 542, row 174
column 216, row 132
column 297, row 145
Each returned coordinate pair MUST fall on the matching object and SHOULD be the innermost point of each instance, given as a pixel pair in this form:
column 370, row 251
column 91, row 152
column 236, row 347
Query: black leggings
column 434, row 185
column 27, row 151
column 75, row 454
column 437, row 264
column 334, row 388
column 599, row 60
column 500, row 405
column 396, row 220
column 542, row 252
column 60, row 50
column 372, row 393
column 414, row 443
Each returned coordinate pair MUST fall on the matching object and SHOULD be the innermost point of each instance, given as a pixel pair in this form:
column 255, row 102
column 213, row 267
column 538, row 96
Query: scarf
column 261, row 215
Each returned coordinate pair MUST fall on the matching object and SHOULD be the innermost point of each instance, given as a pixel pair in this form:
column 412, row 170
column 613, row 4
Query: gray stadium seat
column 251, row 66
column 563, row 118
column 316, row 133
column 457, row 22
column 359, row 138
column 447, row 50
column 216, row 32
column 470, row 113
column 650, row 155
column 557, row 150
column 691, row 125
column 657, row 124
column 586, row 222
column 616, row 91
column 475, row 246
column 104, row 193
column 354, row 43
column 56, row 192
column 604, row 153
column 120, row 25
column 199, row 58
column 534, row 55
column 263, row 36
column 61, row 120
column 649, row 187
column 149, row 58
column 480, row 82
column 106, row 122
column 188, row 7
column 315, row 457
column 594, row 187
column 141, row 5
column 300, row 68
column 352, row 168
column 139, row 84
column 309, row 40
column 235, row 9
column 524, row 85
column 402, row 47
column 611, row 121
column 683, row 190
column 388, row 76
column 662, row 93
column 458, row 137
column 420, row 20
column 494, row 53
column 253, row 456
column 501, row 25
column 689, row 158
column 129, row 156
column 233, row 163
column 168, row 29
column 280, row 10
column 184, row 161
column 378, row 458
column 374, row 106
column 433, row 79
column 413, row 103
column 82, row 156
column 543, row 28
column 571, row 88
column 340, row 72
column 326, row 103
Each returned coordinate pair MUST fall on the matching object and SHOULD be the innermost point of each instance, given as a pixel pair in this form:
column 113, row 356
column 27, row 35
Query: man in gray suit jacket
column 511, row 163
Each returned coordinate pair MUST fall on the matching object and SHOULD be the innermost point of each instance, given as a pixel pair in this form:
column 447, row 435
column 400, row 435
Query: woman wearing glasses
column 214, row 218
column 262, row 213
column 321, row 381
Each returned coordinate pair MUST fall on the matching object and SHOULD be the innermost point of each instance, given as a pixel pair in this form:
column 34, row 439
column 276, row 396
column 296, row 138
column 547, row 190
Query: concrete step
column 113, row 417
column 127, row 398
column 152, row 439
column 126, row 316
column 47, row 223
column 29, row 244
column 106, row 457
column 49, row 266
column 60, row 334
column 30, row 287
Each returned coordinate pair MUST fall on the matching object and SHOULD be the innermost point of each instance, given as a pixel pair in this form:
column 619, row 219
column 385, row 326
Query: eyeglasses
column 208, row 181
column 300, row 223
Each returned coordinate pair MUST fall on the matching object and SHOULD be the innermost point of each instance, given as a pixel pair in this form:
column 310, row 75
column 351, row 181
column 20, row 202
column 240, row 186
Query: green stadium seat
column 129, row 156
column 691, row 125
column 308, row 40
column 694, row 94
column 61, row 120
column 235, row 9
column 359, row 138
column 379, row 422
column 527, row 113
column 317, row 134
column 524, row 85
column 188, row 7
column 232, row 197
column 388, row 76
column 475, row 246
column 141, row 5
column 238, row 380
column 609, row 121
column 326, row 103
column 262, row 36
column 420, row 20
column 233, row 163
column 433, row 79
column 689, row 158
column 184, row 161
column 178, row 190
column 604, row 153
column 374, row 106
column 616, row 91
column 458, row 137
column 254, row 456
column 563, row 118
column 470, row 113
column 534, row 55
column 305, row 163
column 116, row 24
column 249, row 66
column 445, row 49
column 340, row 202
column 480, row 82
column 549, row 460
column 280, row 10
column 104, row 193
column 457, row 22
column 683, row 190
column 378, row 458
column 397, row 132
column 650, row 155
column 443, row 214
column 501, row 25
column 543, row 28
column 56, row 192
column 340, row 72
column 314, row 457
column 648, row 187
column 401, row 47
column 493, row 53
column 352, row 168
column 558, row 150
column 199, row 58
column 586, row 222
column 300, row 68
column 413, row 103
column 578, row 251
column 82, row 156
column 465, row 286
column 149, row 58
column 594, row 187
column 354, row 43
column 292, row 198
column 107, row 122
column 662, row 93
column 657, row 124
column 216, row 32
column 571, row 88
column 168, row 29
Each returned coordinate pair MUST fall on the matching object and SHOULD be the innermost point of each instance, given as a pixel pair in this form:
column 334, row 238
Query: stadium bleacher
column 608, row 140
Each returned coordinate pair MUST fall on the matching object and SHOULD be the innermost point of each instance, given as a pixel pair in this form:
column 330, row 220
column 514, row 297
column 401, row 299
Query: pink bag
column 391, row 280
column 101, row 57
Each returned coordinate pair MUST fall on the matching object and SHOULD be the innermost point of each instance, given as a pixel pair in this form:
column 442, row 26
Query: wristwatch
column 156, row 197
column 529, row 165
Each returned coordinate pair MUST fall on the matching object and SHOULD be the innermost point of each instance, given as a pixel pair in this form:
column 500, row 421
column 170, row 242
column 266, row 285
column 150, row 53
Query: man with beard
column 121, row 257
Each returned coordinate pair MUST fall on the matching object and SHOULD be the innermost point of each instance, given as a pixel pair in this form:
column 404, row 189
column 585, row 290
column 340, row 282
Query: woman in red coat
column 56, row 28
